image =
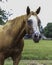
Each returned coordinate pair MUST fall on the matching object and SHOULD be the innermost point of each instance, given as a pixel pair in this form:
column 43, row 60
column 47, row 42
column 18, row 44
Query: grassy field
column 36, row 53
column 30, row 62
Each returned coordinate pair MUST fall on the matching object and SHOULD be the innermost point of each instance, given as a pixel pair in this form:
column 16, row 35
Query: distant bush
column 48, row 30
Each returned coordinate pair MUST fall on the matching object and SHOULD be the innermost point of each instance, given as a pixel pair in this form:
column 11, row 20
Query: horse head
column 32, row 24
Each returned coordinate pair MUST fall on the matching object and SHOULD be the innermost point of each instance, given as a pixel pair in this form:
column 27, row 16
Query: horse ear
column 28, row 10
column 38, row 10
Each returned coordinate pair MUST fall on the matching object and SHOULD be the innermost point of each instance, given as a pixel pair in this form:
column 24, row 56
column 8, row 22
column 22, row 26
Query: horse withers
column 12, row 33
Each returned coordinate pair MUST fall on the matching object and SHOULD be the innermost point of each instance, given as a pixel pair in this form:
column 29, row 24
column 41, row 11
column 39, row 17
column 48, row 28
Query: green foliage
column 2, row 16
column 48, row 30
column 1, row 21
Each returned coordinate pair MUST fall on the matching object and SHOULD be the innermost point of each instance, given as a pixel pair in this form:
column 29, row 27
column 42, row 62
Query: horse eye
column 29, row 22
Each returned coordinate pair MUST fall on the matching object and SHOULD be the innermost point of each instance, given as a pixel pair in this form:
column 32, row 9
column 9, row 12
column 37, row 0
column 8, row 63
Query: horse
column 12, row 33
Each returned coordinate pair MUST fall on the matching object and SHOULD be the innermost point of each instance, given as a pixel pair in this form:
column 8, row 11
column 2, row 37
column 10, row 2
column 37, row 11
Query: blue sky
column 18, row 7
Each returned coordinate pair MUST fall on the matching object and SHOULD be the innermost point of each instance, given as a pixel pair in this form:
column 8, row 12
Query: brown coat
column 11, row 38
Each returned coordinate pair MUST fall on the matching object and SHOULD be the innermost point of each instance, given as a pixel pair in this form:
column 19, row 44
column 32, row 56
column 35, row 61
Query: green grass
column 41, row 50
column 36, row 53
column 30, row 62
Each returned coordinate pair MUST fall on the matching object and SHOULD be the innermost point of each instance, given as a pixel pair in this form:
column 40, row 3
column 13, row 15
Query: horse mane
column 13, row 21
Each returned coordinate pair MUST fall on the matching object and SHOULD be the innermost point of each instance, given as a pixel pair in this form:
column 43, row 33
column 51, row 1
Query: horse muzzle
column 36, row 37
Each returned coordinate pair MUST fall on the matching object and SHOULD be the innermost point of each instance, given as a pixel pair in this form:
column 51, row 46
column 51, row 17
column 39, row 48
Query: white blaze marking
column 35, row 24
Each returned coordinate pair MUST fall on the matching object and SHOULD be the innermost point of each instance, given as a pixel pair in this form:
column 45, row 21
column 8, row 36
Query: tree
column 2, row 16
column 48, row 30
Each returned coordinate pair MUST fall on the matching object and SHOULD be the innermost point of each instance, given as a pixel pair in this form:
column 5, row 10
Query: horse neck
column 15, row 24
column 18, row 25
column 21, row 32
column 15, row 27
column 20, row 35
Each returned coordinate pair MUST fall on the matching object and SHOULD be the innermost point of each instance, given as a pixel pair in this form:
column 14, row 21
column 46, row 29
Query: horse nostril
column 40, row 36
column 35, row 35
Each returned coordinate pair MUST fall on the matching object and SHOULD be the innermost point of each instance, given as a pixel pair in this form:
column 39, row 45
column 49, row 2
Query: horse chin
column 36, row 40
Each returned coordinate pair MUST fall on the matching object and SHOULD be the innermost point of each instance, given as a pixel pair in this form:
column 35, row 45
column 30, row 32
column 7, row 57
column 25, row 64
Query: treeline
column 48, row 30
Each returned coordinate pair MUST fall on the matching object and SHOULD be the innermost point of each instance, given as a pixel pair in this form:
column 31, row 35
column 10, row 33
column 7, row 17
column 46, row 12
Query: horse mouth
column 36, row 39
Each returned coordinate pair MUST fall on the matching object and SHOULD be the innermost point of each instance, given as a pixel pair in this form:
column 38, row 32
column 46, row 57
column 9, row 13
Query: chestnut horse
column 12, row 33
